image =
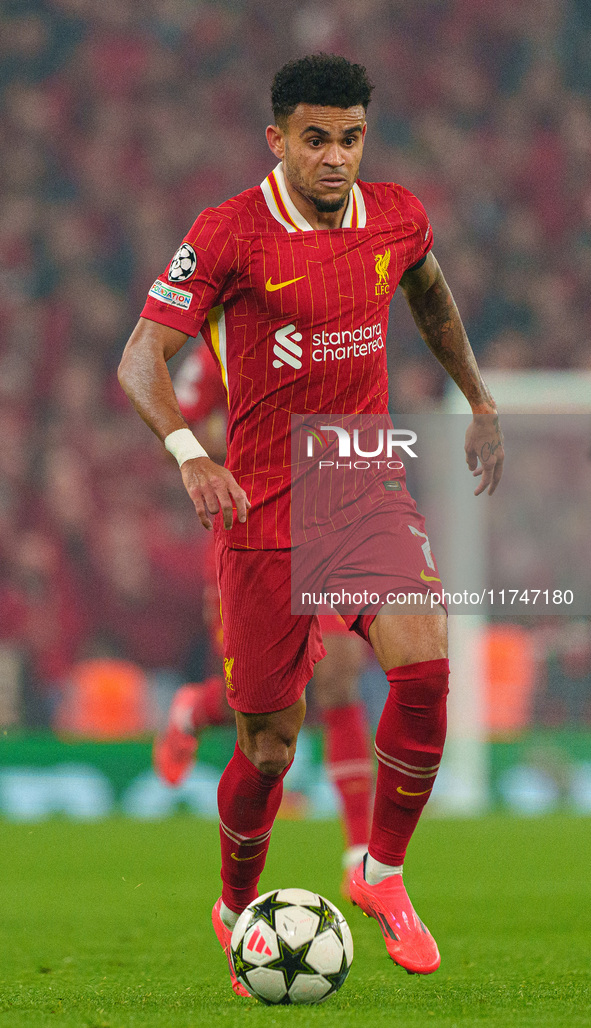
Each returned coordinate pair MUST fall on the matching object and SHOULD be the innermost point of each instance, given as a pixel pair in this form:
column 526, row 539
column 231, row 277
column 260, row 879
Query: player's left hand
column 484, row 449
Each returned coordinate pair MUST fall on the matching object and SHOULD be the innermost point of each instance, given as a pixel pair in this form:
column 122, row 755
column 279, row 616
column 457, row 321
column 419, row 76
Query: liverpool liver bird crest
column 382, row 263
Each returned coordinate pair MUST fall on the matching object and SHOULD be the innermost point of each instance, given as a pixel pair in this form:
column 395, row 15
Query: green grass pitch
column 108, row 926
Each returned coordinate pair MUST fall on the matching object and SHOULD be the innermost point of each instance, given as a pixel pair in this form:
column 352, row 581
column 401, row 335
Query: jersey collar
column 286, row 213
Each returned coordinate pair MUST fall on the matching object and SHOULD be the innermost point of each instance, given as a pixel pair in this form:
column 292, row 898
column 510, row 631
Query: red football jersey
column 297, row 320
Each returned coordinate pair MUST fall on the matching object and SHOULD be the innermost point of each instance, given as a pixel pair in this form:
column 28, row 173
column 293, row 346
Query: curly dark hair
column 325, row 79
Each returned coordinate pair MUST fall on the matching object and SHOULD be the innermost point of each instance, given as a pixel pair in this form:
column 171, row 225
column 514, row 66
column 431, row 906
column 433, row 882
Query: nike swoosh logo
column 234, row 857
column 272, row 287
column 429, row 578
column 404, row 793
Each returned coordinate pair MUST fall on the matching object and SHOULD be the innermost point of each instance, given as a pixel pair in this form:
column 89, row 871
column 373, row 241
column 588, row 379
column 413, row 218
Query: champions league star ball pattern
column 291, row 946
column 183, row 264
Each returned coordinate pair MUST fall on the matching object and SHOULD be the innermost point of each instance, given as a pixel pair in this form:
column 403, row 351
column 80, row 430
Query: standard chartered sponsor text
column 359, row 342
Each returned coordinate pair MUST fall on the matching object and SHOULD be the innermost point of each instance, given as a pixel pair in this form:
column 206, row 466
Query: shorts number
column 426, row 547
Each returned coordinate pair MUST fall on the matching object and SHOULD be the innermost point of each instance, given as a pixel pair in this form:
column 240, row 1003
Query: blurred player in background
column 290, row 282
column 203, row 404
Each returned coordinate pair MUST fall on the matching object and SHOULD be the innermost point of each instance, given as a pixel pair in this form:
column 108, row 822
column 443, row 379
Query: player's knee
column 272, row 754
column 428, row 649
column 269, row 740
column 399, row 640
column 273, row 768
column 274, row 748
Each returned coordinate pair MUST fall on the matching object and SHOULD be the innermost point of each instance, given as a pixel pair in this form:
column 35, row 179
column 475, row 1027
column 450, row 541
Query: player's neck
column 318, row 220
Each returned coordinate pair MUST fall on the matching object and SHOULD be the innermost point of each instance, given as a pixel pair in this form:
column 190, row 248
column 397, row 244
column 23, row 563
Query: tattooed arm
column 438, row 320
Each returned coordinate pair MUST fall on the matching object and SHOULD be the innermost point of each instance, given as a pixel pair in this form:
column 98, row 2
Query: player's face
column 321, row 150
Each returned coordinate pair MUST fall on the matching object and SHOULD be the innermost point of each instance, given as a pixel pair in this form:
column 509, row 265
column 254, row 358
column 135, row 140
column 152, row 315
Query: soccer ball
column 183, row 264
column 291, row 946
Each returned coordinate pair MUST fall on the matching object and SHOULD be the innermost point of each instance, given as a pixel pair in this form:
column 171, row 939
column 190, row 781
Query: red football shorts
column 270, row 652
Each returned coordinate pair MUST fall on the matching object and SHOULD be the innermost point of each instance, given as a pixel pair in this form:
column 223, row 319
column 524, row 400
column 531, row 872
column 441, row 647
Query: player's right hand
column 213, row 488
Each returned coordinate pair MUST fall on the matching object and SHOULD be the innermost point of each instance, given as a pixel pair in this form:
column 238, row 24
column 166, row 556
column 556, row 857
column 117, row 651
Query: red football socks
column 248, row 802
column 409, row 746
column 349, row 764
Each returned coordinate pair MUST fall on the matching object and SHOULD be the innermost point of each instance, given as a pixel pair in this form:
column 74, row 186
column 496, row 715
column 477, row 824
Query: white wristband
column 184, row 446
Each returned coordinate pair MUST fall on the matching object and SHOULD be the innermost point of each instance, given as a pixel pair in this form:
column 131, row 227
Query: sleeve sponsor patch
column 170, row 294
column 183, row 264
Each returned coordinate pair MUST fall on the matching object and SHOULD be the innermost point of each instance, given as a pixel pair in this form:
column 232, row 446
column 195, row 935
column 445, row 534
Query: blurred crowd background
column 119, row 122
